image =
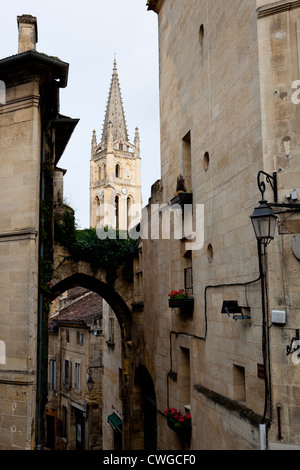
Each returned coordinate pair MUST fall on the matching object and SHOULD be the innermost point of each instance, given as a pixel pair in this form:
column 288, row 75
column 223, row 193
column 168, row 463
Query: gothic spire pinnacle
column 114, row 111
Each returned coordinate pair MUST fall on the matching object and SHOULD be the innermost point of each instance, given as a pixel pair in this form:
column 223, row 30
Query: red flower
column 177, row 417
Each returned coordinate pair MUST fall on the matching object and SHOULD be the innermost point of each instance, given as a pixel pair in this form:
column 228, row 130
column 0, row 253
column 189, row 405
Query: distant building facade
column 73, row 412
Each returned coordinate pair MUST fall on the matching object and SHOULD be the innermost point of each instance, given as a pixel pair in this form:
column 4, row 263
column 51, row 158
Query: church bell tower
column 115, row 167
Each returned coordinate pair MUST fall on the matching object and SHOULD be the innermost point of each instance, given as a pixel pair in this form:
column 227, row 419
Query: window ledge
column 245, row 413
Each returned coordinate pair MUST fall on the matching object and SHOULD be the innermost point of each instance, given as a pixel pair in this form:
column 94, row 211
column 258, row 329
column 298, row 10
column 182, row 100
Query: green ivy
column 84, row 245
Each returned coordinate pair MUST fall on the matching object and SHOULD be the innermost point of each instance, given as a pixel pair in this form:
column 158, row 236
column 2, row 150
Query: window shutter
column 64, row 373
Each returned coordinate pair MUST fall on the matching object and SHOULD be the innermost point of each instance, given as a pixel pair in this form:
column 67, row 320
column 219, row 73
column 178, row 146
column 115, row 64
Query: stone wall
column 19, row 193
column 226, row 70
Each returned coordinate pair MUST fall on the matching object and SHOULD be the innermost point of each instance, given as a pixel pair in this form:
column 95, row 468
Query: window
column 97, row 173
column 185, row 377
column 67, row 336
column 188, row 280
column 79, row 338
column 206, row 161
column 110, row 342
column 77, row 378
column 103, row 171
column 67, row 373
column 98, row 212
column 117, row 171
column 186, row 160
column 128, row 213
column 52, row 374
column 201, row 34
column 117, row 212
column 64, row 421
column 239, row 383
column 111, row 329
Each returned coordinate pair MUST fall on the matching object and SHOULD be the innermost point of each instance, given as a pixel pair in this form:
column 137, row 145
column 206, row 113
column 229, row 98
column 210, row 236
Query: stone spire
column 94, row 140
column 115, row 112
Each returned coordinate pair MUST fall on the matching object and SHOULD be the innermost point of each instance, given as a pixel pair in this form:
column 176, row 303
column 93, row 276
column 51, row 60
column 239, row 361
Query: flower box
column 183, row 432
column 180, row 299
column 180, row 424
column 186, row 304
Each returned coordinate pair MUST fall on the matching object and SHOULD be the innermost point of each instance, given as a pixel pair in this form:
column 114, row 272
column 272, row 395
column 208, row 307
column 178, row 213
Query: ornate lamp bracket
column 271, row 179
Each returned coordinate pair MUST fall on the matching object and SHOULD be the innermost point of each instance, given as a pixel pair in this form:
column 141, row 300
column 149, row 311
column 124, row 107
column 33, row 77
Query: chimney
column 28, row 36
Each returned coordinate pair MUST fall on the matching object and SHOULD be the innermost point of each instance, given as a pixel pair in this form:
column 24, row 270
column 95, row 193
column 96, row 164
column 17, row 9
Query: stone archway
column 107, row 292
column 123, row 314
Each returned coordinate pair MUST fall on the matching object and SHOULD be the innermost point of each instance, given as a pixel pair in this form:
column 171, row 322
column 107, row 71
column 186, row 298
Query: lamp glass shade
column 90, row 384
column 264, row 222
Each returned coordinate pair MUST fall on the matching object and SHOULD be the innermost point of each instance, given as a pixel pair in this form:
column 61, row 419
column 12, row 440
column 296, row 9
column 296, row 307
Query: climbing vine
column 45, row 264
column 84, row 245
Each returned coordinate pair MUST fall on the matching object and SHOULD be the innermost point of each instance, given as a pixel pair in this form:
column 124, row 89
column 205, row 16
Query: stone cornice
column 278, row 7
column 16, row 377
column 32, row 63
column 232, row 405
column 16, row 235
column 21, row 103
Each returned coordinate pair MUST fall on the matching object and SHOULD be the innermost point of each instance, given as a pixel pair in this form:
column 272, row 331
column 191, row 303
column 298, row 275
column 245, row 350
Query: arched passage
column 107, row 292
column 123, row 314
column 145, row 419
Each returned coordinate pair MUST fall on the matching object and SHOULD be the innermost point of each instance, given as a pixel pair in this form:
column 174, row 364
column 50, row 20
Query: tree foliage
column 84, row 245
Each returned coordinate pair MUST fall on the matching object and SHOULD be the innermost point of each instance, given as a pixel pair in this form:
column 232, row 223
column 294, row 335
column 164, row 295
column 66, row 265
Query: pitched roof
column 114, row 111
column 84, row 307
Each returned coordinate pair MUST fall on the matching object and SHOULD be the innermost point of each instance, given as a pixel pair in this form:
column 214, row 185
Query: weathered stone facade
column 32, row 81
column 226, row 74
column 73, row 412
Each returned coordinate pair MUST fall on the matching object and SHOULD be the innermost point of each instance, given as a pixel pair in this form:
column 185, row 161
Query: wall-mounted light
column 264, row 223
column 294, row 344
column 231, row 307
column 263, row 218
column 90, row 382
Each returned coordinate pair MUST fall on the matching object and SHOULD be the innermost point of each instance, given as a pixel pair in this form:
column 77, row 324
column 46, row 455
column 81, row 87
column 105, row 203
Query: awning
column 115, row 422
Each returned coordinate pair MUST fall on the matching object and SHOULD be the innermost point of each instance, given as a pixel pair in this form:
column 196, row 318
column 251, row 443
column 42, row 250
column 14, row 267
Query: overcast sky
column 88, row 34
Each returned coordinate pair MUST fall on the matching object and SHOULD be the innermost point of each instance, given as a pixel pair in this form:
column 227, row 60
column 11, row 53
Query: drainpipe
column 40, row 315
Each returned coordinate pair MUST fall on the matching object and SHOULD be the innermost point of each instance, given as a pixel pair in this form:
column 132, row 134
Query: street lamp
column 90, row 381
column 264, row 222
column 263, row 218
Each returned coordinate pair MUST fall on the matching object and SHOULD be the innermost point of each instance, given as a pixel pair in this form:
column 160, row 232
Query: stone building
column 33, row 136
column 74, row 407
column 228, row 106
column 115, row 167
